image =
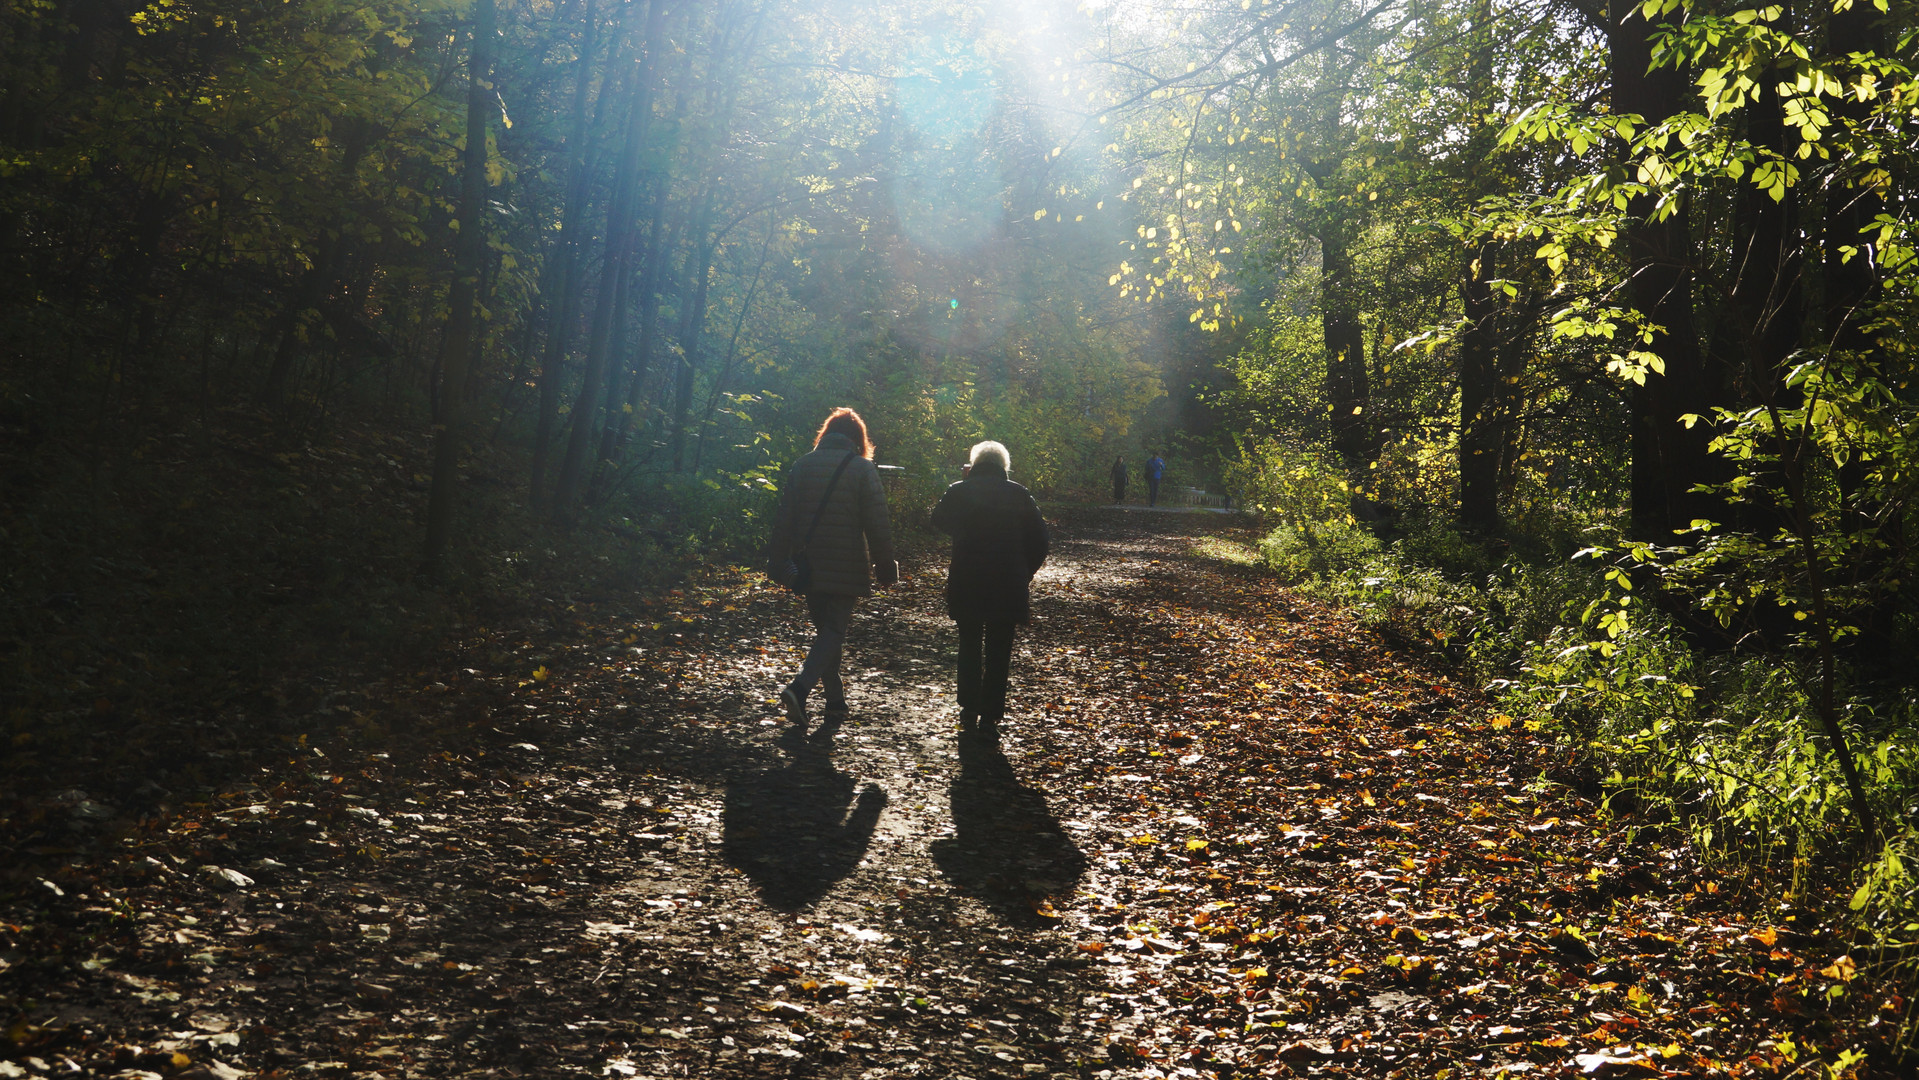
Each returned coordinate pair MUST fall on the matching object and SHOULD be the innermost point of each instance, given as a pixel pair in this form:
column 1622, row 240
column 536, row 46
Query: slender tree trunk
column 613, row 438
column 1481, row 411
column 318, row 277
column 619, row 236
column 736, row 42
column 1760, row 322
column 1668, row 458
column 1347, row 387
column 725, row 372
column 1479, row 390
column 617, row 359
column 699, row 273
column 563, row 298
column 1852, row 290
column 470, row 262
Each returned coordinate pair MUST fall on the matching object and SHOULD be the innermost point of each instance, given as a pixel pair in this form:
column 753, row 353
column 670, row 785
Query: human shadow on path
column 1008, row 850
column 790, row 830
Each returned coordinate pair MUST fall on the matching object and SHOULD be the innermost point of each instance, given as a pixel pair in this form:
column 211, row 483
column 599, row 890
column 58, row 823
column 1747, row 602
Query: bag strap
column 830, row 485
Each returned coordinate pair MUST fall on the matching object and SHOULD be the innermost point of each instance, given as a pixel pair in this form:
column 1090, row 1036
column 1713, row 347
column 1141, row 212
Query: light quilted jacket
column 853, row 532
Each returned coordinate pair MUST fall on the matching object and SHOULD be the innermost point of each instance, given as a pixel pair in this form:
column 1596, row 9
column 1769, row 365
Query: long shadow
column 790, row 830
column 1008, row 850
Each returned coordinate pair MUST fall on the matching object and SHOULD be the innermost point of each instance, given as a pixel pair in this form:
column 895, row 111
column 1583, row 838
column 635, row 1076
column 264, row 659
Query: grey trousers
column 831, row 615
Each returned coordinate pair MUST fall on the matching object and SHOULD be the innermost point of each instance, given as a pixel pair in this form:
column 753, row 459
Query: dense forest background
column 1568, row 340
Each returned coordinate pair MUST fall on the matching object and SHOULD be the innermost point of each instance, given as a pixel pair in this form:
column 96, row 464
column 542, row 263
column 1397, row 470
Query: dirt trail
column 1222, row 832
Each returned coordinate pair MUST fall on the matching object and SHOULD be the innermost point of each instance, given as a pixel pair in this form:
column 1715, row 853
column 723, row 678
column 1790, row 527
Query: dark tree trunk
column 563, row 298
column 1347, row 387
column 1762, row 315
column 698, row 275
column 1852, row 290
column 470, row 262
column 1482, row 409
column 619, row 242
column 1480, row 435
column 1668, row 458
column 620, row 424
column 725, row 372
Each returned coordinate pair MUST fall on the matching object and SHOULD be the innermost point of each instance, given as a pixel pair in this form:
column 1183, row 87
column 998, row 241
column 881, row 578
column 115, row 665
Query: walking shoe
column 837, row 712
column 794, row 703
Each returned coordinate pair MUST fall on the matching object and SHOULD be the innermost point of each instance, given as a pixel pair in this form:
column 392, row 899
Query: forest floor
column 1224, row 831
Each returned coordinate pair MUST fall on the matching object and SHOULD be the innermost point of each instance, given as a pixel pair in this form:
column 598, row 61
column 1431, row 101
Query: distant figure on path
column 999, row 543
column 1119, row 480
column 1155, row 472
column 831, row 528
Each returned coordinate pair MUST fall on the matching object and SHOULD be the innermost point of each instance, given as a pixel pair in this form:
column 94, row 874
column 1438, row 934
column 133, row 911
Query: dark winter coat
column 853, row 533
column 999, row 543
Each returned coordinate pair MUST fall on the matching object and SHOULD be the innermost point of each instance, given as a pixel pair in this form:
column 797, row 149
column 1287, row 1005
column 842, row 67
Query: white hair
column 993, row 452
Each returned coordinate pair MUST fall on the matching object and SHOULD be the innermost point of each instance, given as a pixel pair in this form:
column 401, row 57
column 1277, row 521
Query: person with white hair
column 999, row 543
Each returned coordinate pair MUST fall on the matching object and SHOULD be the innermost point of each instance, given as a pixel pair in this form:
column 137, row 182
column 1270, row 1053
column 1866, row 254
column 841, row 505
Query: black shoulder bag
column 799, row 568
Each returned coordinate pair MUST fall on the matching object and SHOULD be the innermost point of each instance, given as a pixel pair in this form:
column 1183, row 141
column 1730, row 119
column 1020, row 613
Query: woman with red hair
column 832, row 534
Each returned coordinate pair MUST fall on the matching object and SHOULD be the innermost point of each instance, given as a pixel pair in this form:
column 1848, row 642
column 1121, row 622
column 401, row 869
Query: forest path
column 1224, row 831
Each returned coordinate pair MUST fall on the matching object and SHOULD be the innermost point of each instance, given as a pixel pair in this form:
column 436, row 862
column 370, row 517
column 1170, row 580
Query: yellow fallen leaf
column 540, row 673
column 1842, row 969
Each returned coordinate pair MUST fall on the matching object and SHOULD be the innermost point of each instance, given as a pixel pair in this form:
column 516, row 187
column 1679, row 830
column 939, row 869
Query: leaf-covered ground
column 1224, row 832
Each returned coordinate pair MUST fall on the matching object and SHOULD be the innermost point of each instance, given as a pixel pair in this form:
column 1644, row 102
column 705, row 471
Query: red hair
column 848, row 423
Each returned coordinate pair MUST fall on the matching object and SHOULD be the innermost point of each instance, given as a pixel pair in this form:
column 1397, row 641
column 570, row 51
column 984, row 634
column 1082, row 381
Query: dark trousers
column 832, row 615
column 1152, row 491
column 985, row 658
column 1119, row 491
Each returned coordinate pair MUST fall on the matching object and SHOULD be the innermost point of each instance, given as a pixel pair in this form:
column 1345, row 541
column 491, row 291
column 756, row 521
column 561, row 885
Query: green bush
column 1304, row 552
column 1431, row 541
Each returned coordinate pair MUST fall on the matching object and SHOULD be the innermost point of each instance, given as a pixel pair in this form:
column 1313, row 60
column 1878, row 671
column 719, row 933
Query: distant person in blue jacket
column 1155, row 472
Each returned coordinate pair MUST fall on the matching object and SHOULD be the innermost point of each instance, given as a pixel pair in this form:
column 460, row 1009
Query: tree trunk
column 469, row 262
column 563, row 299
column 1763, row 314
column 1482, row 411
column 1852, row 290
column 1668, row 458
column 725, row 373
column 1479, row 406
column 698, row 275
column 619, row 237
column 1347, row 387
column 619, row 425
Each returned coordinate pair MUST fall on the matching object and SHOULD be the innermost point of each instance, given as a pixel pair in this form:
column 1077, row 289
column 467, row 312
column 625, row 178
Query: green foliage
column 1299, row 553
column 1295, row 487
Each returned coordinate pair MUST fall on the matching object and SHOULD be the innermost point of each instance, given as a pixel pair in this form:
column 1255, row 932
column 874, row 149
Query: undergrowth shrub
column 1719, row 739
column 1305, row 552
